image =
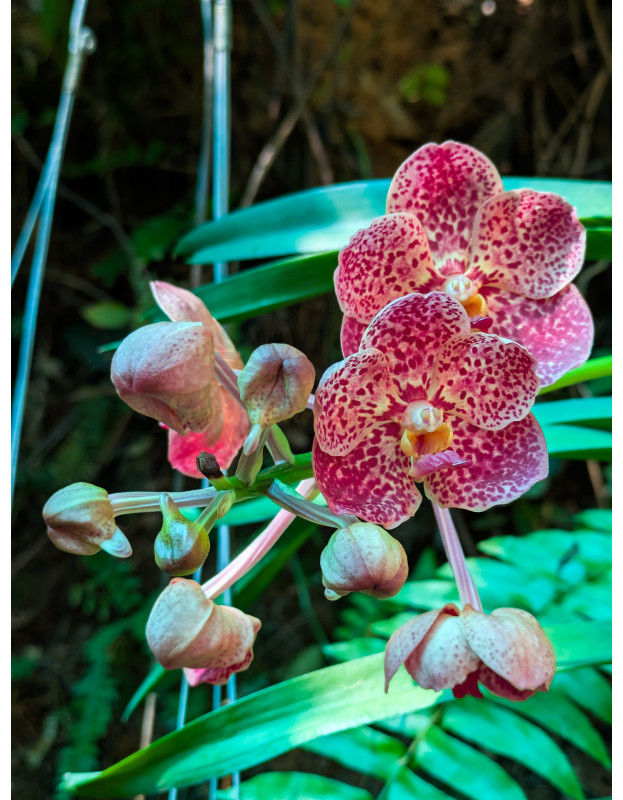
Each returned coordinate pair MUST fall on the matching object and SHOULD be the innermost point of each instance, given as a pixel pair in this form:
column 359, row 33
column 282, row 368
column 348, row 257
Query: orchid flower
column 230, row 425
column 509, row 256
column 426, row 398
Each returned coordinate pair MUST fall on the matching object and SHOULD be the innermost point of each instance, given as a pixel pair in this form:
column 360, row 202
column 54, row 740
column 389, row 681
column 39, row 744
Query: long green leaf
column 593, row 368
column 575, row 442
column 591, row 411
column 294, row 786
column 367, row 750
column 599, row 519
column 463, row 768
column 504, row 732
column 325, row 218
column 409, row 786
column 589, row 689
column 558, row 714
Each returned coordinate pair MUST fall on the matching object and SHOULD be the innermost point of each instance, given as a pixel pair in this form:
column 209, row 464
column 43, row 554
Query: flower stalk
column 456, row 558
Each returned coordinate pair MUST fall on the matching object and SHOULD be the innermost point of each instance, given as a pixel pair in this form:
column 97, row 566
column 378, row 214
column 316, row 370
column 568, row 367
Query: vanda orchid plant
column 458, row 307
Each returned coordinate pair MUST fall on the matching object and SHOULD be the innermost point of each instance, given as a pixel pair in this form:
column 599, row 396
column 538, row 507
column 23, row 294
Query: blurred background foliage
column 332, row 91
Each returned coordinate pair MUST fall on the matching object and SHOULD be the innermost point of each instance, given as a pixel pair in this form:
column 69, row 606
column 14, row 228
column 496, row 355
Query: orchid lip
column 460, row 287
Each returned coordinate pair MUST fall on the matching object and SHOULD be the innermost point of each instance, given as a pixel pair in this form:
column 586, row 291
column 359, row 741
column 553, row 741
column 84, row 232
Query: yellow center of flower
column 466, row 292
column 425, row 432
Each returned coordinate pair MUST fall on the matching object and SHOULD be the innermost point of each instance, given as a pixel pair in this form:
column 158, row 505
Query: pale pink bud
column 166, row 371
column 186, row 630
column 275, row 383
column 507, row 651
column 363, row 558
column 80, row 520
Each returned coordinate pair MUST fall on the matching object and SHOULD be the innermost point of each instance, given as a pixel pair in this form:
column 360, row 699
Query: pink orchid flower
column 426, row 398
column 509, row 256
column 230, row 422
column 507, row 651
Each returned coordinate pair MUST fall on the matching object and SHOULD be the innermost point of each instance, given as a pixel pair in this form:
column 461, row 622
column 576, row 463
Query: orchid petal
column 526, row 242
column 351, row 399
column 351, row 334
column 501, row 687
column 504, row 465
column 386, row 260
column 410, row 331
column 404, row 641
column 223, row 439
column 217, row 676
column 485, row 380
column 444, row 658
column 372, row 481
column 558, row 331
column 444, row 186
column 431, row 462
column 512, row 644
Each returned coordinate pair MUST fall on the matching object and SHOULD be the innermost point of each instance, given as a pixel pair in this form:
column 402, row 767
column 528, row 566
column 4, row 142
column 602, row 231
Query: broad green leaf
column 554, row 711
column 572, row 441
column 294, row 786
column 505, row 733
column 599, row 519
column 593, row 368
column 463, row 768
column 581, row 643
column 427, row 594
column 598, row 243
column 258, row 727
column 589, row 689
column 592, row 599
column 325, row 218
column 590, row 411
column 409, row 786
column 367, row 750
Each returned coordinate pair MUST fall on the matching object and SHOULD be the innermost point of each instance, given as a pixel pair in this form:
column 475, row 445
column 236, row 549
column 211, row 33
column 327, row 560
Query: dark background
column 528, row 83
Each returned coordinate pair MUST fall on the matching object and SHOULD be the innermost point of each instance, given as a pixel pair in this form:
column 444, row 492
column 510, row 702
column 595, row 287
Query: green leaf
column 589, row 689
column 464, row 769
column 107, row 315
column 294, row 786
column 354, row 648
column 592, row 599
column 259, row 727
column 581, row 643
column 409, row 786
column 505, row 733
column 590, row 411
column 250, row 512
column 154, row 676
column 591, row 369
column 325, row 218
column 571, row 441
column 426, row 594
column 599, row 244
column 554, row 711
column 599, row 519
column 369, row 751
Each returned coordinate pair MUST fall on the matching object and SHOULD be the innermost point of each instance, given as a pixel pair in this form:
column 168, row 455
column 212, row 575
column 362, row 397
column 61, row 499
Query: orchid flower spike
column 80, row 520
column 507, row 651
column 166, row 371
column 186, row 630
column 363, row 558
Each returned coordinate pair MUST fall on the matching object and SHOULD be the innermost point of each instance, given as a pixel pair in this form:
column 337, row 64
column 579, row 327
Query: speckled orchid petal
column 223, row 439
column 350, row 400
column 404, row 641
column 513, row 645
column 558, row 331
column 485, row 380
column 410, row 331
column 500, row 687
column 444, row 186
column 444, row 658
column 370, row 482
column 350, row 335
column 386, row 260
column 180, row 305
column 526, row 242
column 504, row 465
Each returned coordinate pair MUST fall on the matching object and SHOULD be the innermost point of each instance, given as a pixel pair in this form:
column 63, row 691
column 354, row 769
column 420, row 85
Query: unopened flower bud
column 80, row 520
column 186, row 630
column 182, row 546
column 166, row 371
column 363, row 558
column 275, row 383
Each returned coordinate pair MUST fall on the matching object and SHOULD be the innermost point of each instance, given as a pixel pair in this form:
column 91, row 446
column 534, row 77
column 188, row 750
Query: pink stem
column 456, row 558
column 258, row 548
column 228, row 378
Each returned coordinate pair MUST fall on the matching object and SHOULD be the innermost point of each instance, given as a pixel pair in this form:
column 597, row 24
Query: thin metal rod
column 81, row 42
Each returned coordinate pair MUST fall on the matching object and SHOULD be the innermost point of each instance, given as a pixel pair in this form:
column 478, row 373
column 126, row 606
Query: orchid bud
column 182, row 546
column 166, row 371
column 275, row 383
column 80, row 520
column 363, row 558
column 187, row 630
